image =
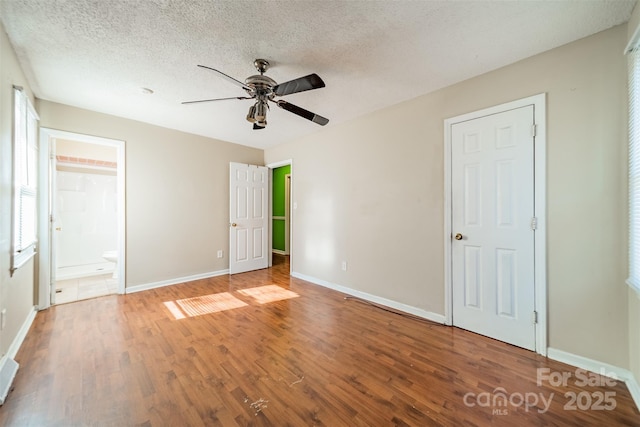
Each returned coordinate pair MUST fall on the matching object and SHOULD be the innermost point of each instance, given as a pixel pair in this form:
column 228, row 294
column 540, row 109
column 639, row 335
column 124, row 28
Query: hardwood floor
column 169, row 357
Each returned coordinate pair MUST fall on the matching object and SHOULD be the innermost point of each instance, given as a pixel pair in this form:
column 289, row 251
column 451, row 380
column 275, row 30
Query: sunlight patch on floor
column 213, row 303
column 269, row 293
column 197, row 306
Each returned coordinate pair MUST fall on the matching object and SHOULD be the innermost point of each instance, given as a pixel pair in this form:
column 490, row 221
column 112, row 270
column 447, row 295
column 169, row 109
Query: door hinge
column 534, row 223
column 534, row 130
column 534, row 317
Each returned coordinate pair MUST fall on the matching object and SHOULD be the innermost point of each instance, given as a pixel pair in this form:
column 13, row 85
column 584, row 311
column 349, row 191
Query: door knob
column 233, row 224
column 458, row 236
column 58, row 228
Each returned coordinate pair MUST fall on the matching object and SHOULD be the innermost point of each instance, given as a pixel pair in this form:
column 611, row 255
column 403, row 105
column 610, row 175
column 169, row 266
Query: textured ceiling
column 98, row 54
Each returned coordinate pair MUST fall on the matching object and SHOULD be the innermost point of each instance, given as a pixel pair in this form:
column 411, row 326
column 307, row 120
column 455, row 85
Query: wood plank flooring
column 311, row 359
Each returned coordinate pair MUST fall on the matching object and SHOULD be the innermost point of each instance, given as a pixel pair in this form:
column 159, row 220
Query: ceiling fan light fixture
column 261, row 112
column 251, row 116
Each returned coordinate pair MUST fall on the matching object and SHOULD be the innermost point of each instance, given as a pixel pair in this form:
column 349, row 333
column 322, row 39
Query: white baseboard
column 279, row 252
column 601, row 368
column 434, row 317
column 178, row 280
column 634, row 389
column 22, row 334
column 8, row 370
column 8, row 365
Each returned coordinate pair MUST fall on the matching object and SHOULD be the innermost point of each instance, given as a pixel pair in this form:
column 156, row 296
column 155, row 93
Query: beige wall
column 370, row 191
column 634, row 333
column 17, row 292
column 177, row 191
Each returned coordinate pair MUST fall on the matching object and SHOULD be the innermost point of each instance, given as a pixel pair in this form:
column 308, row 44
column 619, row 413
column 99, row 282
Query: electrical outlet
column 344, row 265
column 3, row 318
column 220, row 253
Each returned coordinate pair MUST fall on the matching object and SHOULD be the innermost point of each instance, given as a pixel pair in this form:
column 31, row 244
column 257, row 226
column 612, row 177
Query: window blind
column 634, row 169
column 25, row 189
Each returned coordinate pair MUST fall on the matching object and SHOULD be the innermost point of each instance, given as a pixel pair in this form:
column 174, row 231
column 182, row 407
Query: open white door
column 492, row 194
column 248, row 217
column 46, row 237
column 54, row 228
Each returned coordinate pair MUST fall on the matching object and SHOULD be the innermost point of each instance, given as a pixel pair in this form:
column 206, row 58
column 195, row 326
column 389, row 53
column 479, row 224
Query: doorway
column 282, row 207
column 494, row 223
column 81, row 217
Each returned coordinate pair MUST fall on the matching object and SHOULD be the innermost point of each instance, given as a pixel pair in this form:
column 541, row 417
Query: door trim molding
column 287, row 213
column 540, row 192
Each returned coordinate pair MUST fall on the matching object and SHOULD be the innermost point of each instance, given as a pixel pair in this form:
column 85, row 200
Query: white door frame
column 540, row 282
column 271, row 167
column 287, row 214
column 44, row 219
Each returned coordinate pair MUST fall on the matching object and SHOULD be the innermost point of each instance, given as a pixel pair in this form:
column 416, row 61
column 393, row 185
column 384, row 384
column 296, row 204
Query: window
column 25, row 154
column 634, row 169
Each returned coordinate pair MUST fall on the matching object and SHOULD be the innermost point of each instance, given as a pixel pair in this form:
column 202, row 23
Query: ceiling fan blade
column 302, row 112
column 216, row 99
column 312, row 81
column 256, row 127
column 228, row 78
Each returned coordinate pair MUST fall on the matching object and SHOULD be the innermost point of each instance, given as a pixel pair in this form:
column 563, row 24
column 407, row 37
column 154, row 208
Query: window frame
column 24, row 180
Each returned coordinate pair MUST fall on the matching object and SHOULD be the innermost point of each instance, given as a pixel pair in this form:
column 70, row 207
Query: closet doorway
column 281, row 208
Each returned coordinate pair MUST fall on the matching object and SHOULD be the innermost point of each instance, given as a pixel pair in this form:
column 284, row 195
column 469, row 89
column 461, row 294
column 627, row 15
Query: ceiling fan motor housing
column 264, row 89
column 261, row 84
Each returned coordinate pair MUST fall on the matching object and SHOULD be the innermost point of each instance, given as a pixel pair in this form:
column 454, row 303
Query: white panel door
column 493, row 240
column 248, row 217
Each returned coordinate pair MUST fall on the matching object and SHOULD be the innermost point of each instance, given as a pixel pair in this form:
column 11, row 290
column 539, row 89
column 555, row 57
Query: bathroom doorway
column 85, row 211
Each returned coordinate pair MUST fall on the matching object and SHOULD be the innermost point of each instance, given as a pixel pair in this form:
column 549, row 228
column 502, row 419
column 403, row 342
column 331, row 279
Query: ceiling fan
column 264, row 89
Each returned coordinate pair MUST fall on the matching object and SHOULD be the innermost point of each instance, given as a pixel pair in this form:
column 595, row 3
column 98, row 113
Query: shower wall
column 86, row 222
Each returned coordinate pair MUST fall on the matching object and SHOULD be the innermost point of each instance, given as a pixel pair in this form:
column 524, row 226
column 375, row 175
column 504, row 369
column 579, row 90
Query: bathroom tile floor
column 84, row 288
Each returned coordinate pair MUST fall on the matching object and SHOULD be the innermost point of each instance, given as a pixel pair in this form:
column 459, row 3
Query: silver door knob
column 458, row 236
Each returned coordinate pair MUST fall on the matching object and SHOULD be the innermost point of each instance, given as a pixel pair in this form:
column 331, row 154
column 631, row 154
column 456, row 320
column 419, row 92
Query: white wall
column 177, row 192
column 17, row 292
column 370, row 191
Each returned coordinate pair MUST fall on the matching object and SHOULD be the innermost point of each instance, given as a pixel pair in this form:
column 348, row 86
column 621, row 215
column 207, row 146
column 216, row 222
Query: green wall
column 278, row 235
column 279, row 206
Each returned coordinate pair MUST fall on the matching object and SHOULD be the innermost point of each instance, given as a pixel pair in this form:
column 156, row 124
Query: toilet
column 112, row 256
